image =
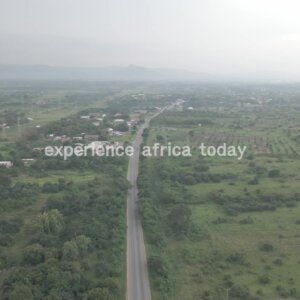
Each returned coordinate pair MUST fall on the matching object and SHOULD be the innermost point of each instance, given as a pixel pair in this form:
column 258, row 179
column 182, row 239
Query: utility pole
column 4, row 127
column 227, row 293
column 18, row 124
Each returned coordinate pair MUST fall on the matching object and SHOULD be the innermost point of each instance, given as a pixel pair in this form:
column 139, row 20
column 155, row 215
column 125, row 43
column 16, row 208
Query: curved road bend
column 138, row 287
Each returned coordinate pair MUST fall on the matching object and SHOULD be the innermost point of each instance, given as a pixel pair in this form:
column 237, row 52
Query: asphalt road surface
column 138, row 287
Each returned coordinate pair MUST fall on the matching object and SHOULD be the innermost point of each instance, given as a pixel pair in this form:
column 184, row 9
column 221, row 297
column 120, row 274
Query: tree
column 159, row 138
column 21, row 292
column 179, row 218
column 51, row 222
column 123, row 127
column 157, row 266
column 145, row 133
column 274, row 173
column 82, row 243
column 34, row 254
column 70, row 250
column 202, row 167
column 266, row 247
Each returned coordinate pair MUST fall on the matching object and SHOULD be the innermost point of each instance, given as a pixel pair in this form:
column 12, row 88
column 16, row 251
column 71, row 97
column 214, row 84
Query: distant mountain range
column 129, row 73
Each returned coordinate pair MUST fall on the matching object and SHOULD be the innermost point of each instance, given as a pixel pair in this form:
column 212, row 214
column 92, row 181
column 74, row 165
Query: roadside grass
column 199, row 266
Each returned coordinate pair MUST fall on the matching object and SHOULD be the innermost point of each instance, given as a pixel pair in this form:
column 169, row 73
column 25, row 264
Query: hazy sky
column 212, row 36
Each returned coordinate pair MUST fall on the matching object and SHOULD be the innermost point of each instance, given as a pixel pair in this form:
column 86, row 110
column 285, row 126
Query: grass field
column 223, row 255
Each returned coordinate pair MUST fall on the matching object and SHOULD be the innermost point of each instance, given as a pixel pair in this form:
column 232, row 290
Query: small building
column 91, row 137
column 118, row 133
column 118, row 121
column 94, row 115
column 110, row 131
column 28, row 161
column 6, row 164
column 134, row 122
column 38, row 149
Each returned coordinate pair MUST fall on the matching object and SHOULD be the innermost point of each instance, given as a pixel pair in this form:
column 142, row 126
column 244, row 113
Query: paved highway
column 138, row 287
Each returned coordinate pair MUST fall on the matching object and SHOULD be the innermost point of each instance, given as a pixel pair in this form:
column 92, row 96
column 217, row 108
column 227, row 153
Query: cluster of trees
column 165, row 214
column 73, row 249
column 12, row 118
column 73, row 126
column 203, row 177
column 127, row 103
column 259, row 170
column 16, row 195
column 253, row 202
column 169, row 172
column 183, row 119
column 155, row 228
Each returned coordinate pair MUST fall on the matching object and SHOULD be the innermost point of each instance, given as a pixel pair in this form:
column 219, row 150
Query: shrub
column 264, row 279
column 179, row 218
column 266, row 247
column 236, row 258
column 278, row 262
column 274, row 173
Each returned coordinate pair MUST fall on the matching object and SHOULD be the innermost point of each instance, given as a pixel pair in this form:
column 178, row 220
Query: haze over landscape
column 235, row 40
column 149, row 149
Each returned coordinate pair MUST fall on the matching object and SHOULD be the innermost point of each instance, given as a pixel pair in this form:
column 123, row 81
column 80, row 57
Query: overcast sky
column 212, row 36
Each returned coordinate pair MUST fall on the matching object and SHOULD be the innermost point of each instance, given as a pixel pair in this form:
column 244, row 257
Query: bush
column 264, row 279
column 278, row 262
column 179, row 218
column 157, row 266
column 247, row 220
column 253, row 181
column 236, row 258
column 239, row 292
column 274, row 173
column 49, row 187
column 266, row 247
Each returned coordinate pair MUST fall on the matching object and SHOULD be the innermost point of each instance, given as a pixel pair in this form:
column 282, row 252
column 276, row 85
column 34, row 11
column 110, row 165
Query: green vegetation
column 63, row 224
column 215, row 227
column 219, row 228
